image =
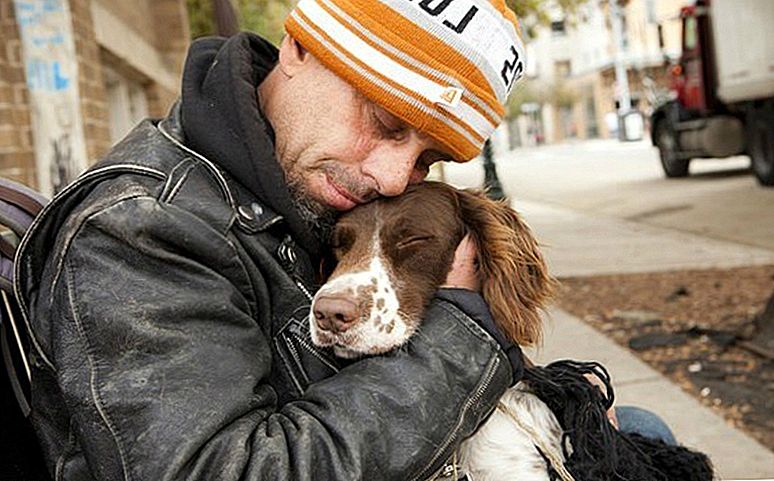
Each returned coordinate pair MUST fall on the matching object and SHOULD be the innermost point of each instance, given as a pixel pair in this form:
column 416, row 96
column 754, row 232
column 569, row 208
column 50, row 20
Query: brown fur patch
column 419, row 233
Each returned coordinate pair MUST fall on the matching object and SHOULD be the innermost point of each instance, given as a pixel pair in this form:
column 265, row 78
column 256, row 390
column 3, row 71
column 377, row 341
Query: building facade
column 571, row 71
column 77, row 75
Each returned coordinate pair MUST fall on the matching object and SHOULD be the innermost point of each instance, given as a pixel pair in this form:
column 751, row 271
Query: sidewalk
column 734, row 454
column 583, row 244
column 580, row 244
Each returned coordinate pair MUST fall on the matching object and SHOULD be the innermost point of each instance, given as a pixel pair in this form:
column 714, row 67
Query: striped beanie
column 445, row 67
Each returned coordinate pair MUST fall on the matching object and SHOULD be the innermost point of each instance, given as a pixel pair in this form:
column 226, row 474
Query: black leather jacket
column 168, row 307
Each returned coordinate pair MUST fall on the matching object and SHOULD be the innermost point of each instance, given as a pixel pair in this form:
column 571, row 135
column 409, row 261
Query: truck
column 724, row 84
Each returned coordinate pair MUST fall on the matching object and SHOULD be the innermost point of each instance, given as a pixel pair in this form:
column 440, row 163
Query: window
column 558, row 28
column 127, row 103
column 562, row 68
column 592, row 130
column 624, row 31
column 690, row 33
column 661, row 44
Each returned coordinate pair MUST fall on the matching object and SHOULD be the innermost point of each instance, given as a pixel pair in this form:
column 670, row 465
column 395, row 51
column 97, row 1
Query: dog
column 394, row 253
column 391, row 257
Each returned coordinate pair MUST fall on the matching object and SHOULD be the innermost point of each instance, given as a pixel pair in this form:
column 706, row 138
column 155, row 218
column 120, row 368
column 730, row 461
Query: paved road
column 720, row 200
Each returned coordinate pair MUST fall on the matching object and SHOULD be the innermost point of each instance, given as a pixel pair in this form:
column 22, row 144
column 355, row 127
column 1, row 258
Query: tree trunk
column 226, row 23
column 766, row 322
column 762, row 340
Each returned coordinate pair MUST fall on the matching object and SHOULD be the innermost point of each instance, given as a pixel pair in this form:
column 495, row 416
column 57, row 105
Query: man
column 167, row 289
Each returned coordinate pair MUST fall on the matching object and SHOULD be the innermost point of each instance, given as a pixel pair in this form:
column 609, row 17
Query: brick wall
column 138, row 14
column 163, row 25
column 171, row 21
column 159, row 100
column 173, row 33
column 91, row 84
column 17, row 158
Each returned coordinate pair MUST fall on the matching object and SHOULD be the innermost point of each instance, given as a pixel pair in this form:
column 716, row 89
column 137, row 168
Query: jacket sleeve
column 165, row 369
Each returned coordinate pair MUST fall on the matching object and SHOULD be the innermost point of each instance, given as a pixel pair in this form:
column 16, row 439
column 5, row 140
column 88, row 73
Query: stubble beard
column 319, row 218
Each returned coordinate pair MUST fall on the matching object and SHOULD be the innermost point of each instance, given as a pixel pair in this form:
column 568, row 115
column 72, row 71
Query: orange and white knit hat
column 445, row 67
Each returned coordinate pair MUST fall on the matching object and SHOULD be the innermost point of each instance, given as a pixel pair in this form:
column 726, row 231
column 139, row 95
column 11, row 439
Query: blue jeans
column 639, row 421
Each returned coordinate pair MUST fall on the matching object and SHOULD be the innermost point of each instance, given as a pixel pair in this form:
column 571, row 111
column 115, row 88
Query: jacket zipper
column 316, row 354
column 303, row 288
column 297, row 359
column 453, row 435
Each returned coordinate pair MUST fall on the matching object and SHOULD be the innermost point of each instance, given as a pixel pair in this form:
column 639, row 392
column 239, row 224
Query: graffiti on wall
column 51, row 70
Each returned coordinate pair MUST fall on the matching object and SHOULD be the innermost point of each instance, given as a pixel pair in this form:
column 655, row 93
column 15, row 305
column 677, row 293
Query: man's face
column 339, row 149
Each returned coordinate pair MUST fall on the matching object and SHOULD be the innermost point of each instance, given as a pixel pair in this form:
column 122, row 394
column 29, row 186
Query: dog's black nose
column 335, row 313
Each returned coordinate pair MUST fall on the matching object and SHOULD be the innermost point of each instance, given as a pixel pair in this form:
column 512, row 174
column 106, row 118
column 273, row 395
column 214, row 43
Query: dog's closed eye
column 414, row 241
column 343, row 239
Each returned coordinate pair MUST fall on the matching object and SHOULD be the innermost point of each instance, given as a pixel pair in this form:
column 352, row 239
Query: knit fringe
column 594, row 450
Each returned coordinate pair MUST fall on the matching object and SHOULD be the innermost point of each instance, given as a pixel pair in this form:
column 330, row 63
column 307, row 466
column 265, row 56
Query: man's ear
column 514, row 275
column 292, row 56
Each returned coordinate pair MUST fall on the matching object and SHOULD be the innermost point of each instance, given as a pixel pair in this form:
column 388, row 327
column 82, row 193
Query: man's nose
column 391, row 166
column 335, row 313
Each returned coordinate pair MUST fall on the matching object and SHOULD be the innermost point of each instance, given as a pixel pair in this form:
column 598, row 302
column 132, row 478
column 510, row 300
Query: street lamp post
column 492, row 185
column 621, row 75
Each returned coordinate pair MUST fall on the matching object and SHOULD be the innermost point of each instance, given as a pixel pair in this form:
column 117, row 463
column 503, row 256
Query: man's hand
column 464, row 274
column 601, row 386
column 464, row 269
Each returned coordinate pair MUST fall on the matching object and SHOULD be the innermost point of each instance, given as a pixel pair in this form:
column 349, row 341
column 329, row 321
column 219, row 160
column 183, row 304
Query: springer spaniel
column 393, row 254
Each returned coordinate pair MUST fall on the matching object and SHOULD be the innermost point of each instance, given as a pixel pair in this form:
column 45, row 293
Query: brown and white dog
column 393, row 254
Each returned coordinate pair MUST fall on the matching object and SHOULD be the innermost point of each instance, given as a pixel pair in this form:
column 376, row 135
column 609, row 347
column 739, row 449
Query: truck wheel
column 760, row 137
column 667, row 150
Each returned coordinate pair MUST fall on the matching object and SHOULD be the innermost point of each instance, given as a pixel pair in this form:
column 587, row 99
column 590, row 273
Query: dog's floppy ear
column 327, row 266
column 514, row 275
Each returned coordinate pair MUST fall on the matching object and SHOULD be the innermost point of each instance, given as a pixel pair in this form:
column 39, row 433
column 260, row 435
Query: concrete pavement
column 581, row 244
column 584, row 244
column 720, row 200
column 600, row 228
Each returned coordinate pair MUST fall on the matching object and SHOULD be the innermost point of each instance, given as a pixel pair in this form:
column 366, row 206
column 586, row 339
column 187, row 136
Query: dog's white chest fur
column 504, row 448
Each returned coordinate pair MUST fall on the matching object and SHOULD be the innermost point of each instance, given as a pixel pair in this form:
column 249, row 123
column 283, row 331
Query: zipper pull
column 286, row 252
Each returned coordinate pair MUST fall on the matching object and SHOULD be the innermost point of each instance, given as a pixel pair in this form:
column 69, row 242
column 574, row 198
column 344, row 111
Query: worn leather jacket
column 168, row 309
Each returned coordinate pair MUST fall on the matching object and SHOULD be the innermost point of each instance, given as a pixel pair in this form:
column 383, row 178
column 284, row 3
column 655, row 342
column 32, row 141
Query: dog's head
column 393, row 254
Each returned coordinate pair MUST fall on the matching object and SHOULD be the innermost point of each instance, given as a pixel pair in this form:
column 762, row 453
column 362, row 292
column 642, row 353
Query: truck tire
column 760, row 146
column 667, row 150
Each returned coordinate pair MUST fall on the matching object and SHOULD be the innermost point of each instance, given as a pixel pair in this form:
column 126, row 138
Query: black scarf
column 222, row 120
column 599, row 451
